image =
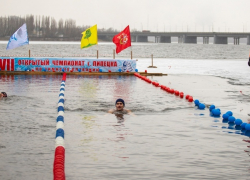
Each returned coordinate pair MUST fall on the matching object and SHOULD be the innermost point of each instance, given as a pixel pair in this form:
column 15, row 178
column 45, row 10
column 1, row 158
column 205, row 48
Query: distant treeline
column 44, row 27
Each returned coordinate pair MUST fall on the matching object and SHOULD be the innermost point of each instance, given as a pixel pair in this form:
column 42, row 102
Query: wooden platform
column 77, row 73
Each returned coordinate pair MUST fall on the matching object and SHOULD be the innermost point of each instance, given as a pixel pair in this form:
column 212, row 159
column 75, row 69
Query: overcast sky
column 154, row 15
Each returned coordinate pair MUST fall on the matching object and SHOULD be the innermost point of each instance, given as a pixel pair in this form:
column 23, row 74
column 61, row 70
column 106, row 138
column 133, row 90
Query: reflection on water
column 119, row 117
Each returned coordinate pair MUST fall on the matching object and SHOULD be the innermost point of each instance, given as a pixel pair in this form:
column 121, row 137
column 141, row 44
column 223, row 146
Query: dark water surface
column 167, row 138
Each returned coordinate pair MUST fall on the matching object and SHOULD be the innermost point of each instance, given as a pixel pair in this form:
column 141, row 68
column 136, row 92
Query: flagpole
column 113, row 54
column 97, row 52
column 131, row 53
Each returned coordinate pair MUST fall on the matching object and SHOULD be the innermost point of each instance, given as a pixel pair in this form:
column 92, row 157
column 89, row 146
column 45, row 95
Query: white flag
column 19, row 38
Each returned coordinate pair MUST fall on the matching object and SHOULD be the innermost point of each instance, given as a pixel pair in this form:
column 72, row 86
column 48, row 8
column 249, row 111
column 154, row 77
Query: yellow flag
column 89, row 37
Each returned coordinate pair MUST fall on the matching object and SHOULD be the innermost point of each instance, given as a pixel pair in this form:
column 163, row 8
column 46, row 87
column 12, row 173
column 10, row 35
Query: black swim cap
column 4, row 94
column 120, row 100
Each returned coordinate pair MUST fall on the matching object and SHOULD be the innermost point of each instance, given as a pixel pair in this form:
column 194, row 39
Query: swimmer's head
column 120, row 100
column 119, row 104
column 4, row 94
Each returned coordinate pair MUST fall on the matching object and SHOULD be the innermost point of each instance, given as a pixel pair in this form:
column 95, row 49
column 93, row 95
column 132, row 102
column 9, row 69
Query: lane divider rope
column 59, row 160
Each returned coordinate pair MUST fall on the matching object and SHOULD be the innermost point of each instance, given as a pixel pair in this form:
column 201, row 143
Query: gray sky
column 155, row 15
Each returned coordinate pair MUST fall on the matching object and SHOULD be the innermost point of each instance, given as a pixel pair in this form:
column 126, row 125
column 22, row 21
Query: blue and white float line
column 58, row 168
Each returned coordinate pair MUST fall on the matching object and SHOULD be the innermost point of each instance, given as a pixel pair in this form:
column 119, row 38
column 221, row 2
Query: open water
column 166, row 138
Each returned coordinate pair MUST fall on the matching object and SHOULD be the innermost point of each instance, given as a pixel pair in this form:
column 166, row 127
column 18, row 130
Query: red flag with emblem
column 122, row 40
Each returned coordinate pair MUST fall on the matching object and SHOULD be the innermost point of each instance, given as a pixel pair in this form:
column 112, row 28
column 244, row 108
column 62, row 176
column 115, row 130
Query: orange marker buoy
column 109, row 70
column 146, row 71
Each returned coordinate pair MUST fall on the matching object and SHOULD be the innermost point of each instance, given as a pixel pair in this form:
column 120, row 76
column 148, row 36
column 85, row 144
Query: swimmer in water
column 3, row 94
column 119, row 105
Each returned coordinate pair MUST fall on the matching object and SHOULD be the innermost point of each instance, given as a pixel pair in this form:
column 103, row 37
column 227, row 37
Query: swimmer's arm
column 111, row 111
column 129, row 112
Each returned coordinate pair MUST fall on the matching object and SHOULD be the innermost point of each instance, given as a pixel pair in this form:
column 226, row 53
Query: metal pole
column 29, row 52
column 97, row 54
column 113, row 54
column 152, row 59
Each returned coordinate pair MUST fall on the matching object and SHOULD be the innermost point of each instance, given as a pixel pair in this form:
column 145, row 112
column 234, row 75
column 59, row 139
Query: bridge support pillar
column 248, row 40
column 141, row 38
column 220, row 40
column 165, row 39
column 190, row 39
column 180, row 39
column 157, row 39
column 236, row 40
column 133, row 38
column 205, row 40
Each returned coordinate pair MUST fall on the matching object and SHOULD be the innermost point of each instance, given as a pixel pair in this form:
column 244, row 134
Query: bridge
column 183, row 37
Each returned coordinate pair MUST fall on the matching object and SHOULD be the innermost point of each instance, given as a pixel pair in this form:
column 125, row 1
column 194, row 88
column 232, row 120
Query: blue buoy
column 44, row 70
column 247, row 127
column 238, row 122
column 225, row 116
column 231, row 119
column 61, row 100
column 60, row 108
column 100, row 70
column 62, row 89
column 212, row 107
column 60, row 118
column 61, row 94
column 196, row 102
column 25, row 69
column 229, row 113
column 243, row 125
column 79, row 70
column 63, row 70
column 60, row 132
column 0, row 69
column 202, row 106
column 120, row 70
column 136, row 70
column 216, row 112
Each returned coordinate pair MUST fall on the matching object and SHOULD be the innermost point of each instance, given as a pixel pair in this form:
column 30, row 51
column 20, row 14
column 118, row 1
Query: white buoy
column 60, row 104
column 61, row 97
column 60, row 113
column 59, row 124
column 59, row 141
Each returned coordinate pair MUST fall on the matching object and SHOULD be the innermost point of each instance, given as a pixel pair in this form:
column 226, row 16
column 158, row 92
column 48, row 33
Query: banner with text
column 68, row 64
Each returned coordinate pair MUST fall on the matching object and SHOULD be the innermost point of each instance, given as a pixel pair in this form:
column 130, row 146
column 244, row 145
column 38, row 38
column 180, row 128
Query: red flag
column 122, row 40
